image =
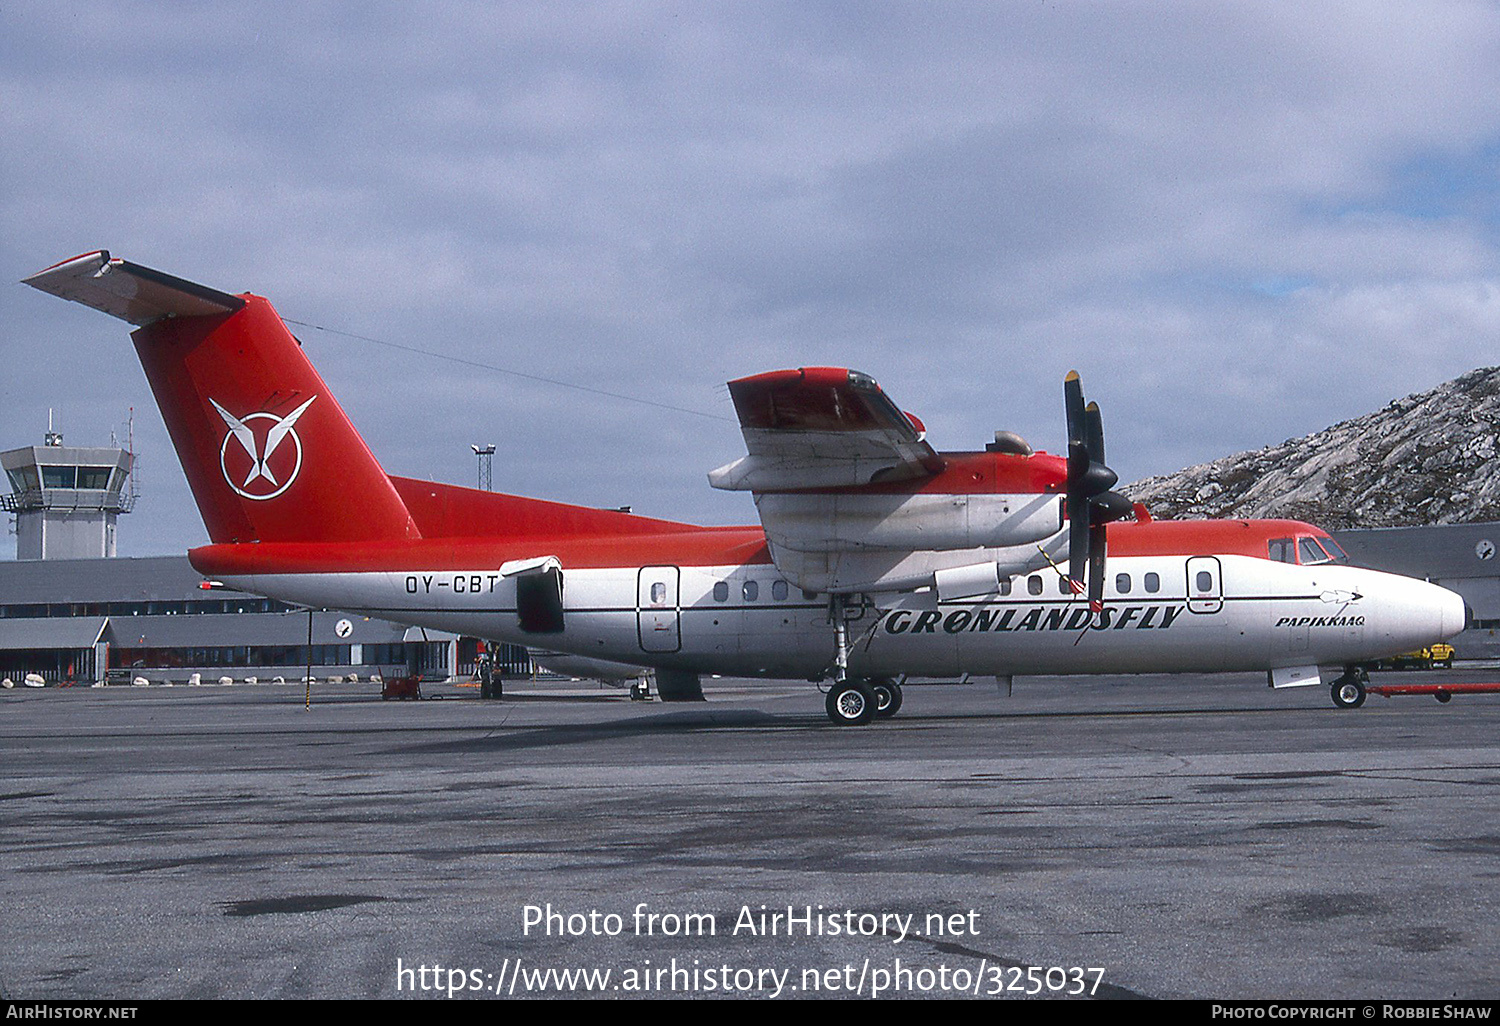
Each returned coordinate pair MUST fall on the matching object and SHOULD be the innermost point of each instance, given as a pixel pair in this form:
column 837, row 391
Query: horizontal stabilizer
column 129, row 291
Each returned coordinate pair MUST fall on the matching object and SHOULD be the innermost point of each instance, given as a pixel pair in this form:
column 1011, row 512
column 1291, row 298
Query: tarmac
column 1157, row 837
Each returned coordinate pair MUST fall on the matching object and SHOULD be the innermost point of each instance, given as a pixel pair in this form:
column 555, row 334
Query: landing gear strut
column 1349, row 690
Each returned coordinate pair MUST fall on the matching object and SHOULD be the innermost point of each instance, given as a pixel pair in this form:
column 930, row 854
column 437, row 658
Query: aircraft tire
column 851, row 704
column 1443, row 696
column 887, row 698
column 1348, row 692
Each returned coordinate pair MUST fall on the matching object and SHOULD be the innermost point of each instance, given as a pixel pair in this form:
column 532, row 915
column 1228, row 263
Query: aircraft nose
column 1454, row 613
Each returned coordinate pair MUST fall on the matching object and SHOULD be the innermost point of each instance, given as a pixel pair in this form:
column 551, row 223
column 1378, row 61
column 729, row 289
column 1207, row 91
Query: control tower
column 66, row 499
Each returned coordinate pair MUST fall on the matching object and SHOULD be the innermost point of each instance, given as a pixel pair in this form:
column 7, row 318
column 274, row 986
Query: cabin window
column 1281, row 550
column 1311, row 552
column 1064, row 587
column 658, row 594
column 751, row 591
column 1204, row 582
column 1153, row 583
column 1033, row 585
column 778, row 590
column 1122, row 583
column 1005, row 586
column 721, row 591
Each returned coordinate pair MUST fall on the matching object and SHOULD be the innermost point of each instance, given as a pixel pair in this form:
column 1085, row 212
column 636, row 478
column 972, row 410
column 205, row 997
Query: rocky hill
column 1430, row 458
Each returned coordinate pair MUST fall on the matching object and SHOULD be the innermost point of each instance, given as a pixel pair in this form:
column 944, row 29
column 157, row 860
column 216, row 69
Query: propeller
column 1090, row 503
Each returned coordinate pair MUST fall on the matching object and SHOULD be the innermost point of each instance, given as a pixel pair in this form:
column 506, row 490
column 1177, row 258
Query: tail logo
column 260, row 464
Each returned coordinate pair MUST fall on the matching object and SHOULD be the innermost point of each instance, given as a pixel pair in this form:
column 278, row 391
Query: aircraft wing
column 822, row 427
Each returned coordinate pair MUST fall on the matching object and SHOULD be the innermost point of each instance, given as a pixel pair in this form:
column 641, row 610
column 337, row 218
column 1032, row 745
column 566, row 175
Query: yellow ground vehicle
column 1439, row 656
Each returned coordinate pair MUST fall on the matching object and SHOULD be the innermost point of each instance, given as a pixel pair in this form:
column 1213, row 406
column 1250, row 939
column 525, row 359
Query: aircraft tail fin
column 269, row 453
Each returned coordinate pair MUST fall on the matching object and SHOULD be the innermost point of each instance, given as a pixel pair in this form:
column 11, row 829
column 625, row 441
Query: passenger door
column 657, row 611
column 1205, row 585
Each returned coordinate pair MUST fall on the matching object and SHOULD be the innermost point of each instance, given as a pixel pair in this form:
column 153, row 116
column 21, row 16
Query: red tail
column 268, row 452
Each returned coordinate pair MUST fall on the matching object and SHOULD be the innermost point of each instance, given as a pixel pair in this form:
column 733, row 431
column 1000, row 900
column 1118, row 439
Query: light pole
column 486, row 454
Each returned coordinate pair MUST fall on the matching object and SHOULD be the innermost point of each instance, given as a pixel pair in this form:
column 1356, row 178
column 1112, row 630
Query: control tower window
column 22, row 479
column 94, row 477
column 59, row 477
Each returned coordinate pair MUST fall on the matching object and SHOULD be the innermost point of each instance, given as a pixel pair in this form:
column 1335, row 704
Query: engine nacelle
column 864, row 521
column 954, row 574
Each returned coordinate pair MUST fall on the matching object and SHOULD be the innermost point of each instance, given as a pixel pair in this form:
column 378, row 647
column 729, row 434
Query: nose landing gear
column 1348, row 690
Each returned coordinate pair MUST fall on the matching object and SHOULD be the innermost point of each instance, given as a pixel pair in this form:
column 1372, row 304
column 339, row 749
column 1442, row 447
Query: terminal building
column 72, row 613
column 1460, row 557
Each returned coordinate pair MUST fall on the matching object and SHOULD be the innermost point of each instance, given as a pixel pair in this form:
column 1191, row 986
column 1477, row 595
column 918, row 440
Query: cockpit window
column 1281, row 550
column 1311, row 553
column 1332, row 548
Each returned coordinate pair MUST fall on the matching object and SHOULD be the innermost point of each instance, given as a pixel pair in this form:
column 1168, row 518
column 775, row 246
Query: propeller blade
column 1090, row 504
column 1097, row 537
column 1073, row 406
column 1078, row 542
column 1094, row 432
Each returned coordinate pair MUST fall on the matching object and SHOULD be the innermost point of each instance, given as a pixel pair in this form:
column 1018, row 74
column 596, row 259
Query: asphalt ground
column 1164, row 836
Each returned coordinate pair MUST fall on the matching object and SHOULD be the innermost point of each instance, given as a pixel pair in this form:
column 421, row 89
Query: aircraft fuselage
column 1160, row 614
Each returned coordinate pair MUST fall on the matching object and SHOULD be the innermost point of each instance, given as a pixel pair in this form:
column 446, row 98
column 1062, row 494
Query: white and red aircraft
column 877, row 558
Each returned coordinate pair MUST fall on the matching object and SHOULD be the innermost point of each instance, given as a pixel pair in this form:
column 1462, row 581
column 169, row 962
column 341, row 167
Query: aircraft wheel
column 852, row 703
column 887, row 698
column 1348, row 692
column 1443, row 696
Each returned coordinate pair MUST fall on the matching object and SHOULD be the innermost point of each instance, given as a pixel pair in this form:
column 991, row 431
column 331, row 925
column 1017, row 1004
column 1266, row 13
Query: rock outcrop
column 1430, row 458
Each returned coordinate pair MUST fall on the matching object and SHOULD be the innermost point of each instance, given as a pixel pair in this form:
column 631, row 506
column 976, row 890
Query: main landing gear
column 1349, row 690
column 855, row 701
column 887, row 698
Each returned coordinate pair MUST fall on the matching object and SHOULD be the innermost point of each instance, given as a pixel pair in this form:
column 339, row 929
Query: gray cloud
column 1241, row 222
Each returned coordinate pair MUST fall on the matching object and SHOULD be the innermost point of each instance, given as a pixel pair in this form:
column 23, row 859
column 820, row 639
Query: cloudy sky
column 1240, row 221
